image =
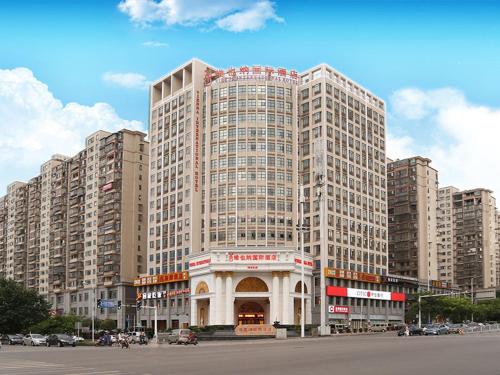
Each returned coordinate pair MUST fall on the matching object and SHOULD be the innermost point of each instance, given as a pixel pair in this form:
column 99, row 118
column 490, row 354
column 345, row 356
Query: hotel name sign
column 264, row 73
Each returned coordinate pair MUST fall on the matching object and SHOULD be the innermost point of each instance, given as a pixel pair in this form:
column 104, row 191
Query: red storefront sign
column 337, row 291
column 337, row 273
column 162, row 279
column 306, row 262
column 337, row 309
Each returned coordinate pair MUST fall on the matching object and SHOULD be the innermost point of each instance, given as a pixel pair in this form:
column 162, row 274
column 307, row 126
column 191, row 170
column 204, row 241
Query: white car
column 34, row 339
column 78, row 339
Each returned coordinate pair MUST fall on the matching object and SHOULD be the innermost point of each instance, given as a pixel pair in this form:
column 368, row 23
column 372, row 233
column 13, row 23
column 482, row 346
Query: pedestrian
column 407, row 330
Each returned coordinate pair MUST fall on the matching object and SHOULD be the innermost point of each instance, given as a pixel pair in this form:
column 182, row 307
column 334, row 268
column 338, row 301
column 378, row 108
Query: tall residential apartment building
column 445, row 233
column 474, row 239
column 228, row 151
column 412, row 199
column 498, row 246
column 77, row 232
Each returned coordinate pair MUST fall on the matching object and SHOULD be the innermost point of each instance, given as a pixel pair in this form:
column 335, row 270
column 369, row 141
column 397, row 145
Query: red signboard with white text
column 336, row 291
column 338, row 309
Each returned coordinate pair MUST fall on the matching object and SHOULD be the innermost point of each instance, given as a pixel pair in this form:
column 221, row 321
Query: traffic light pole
column 428, row 296
column 155, row 307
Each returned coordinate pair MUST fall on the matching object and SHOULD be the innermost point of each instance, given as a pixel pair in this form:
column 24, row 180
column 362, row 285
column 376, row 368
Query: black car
column 412, row 331
column 60, row 340
column 12, row 339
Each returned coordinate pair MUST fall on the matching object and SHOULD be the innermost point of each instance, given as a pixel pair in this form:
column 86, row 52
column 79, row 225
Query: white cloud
column 400, row 147
column 232, row 15
column 460, row 137
column 127, row 80
column 35, row 125
column 154, row 44
column 253, row 18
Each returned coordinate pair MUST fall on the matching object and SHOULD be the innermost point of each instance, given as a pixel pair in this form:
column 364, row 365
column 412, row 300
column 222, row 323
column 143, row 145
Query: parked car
column 60, row 340
column 437, row 329
column 12, row 339
column 412, row 331
column 179, row 336
column 378, row 327
column 78, row 339
column 34, row 339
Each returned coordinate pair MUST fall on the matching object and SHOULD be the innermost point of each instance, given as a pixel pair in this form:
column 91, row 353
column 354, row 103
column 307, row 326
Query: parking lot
column 356, row 354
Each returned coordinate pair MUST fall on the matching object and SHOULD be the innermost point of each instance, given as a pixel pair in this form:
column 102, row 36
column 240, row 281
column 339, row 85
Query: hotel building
column 77, row 232
column 229, row 149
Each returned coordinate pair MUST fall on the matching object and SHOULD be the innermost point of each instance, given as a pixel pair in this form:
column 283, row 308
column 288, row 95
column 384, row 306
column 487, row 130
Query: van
column 378, row 327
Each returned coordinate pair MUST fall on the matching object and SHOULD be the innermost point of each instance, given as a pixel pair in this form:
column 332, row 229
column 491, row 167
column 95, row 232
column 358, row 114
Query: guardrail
column 483, row 328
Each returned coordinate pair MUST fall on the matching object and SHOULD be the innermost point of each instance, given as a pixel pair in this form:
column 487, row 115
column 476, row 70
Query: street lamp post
column 319, row 174
column 301, row 229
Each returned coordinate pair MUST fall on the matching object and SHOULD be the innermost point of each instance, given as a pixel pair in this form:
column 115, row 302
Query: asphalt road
column 346, row 355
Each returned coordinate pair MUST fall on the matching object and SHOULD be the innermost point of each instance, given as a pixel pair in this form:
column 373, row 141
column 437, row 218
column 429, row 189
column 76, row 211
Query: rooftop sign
column 251, row 73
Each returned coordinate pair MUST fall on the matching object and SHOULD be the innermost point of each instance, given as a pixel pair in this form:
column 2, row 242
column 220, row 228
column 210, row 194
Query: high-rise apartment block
column 445, row 233
column 77, row 232
column 475, row 263
column 412, row 199
column 228, row 151
column 498, row 246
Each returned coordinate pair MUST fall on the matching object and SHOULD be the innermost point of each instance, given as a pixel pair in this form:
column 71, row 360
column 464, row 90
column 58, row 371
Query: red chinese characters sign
column 197, row 138
column 252, row 257
column 254, row 72
column 255, row 330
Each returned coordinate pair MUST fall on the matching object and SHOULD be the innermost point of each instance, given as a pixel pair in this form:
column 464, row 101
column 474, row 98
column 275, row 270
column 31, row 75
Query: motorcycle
column 143, row 340
column 192, row 339
column 124, row 343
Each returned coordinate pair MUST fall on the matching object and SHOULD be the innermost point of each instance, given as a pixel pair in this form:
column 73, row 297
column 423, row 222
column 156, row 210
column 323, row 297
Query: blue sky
column 439, row 57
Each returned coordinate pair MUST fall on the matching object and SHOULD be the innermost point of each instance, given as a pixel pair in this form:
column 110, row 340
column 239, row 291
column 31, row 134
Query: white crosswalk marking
column 26, row 367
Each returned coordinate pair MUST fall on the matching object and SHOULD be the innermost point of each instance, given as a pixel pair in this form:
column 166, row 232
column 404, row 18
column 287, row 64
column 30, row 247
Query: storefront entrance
column 251, row 313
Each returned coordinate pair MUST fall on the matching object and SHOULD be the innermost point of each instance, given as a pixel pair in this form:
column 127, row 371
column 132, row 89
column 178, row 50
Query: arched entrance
column 203, row 305
column 251, row 312
column 252, row 304
column 297, row 311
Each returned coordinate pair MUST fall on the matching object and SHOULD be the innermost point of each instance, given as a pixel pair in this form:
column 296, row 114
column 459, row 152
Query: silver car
column 34, row 339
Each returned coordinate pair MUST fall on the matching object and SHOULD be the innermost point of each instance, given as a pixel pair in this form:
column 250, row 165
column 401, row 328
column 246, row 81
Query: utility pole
column 301, row 231
column 472, row 296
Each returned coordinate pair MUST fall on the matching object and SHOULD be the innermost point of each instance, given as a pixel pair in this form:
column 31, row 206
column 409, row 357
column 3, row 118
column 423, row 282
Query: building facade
column 412, row 200
column 77, row 232
column 228, row 151
column 475, row 263
column 445, row 233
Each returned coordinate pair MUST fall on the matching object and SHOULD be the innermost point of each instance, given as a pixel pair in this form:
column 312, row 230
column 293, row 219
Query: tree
column 108, row 325
column 57, row 324
column 20, row 308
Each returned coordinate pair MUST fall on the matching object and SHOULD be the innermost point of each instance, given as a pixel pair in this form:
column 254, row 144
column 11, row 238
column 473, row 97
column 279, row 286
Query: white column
column 308, row 313
column 212, row 315
column 194, row 312
column 286, row 299
column 275, row 305
column 229, row 300
column 218, row 299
